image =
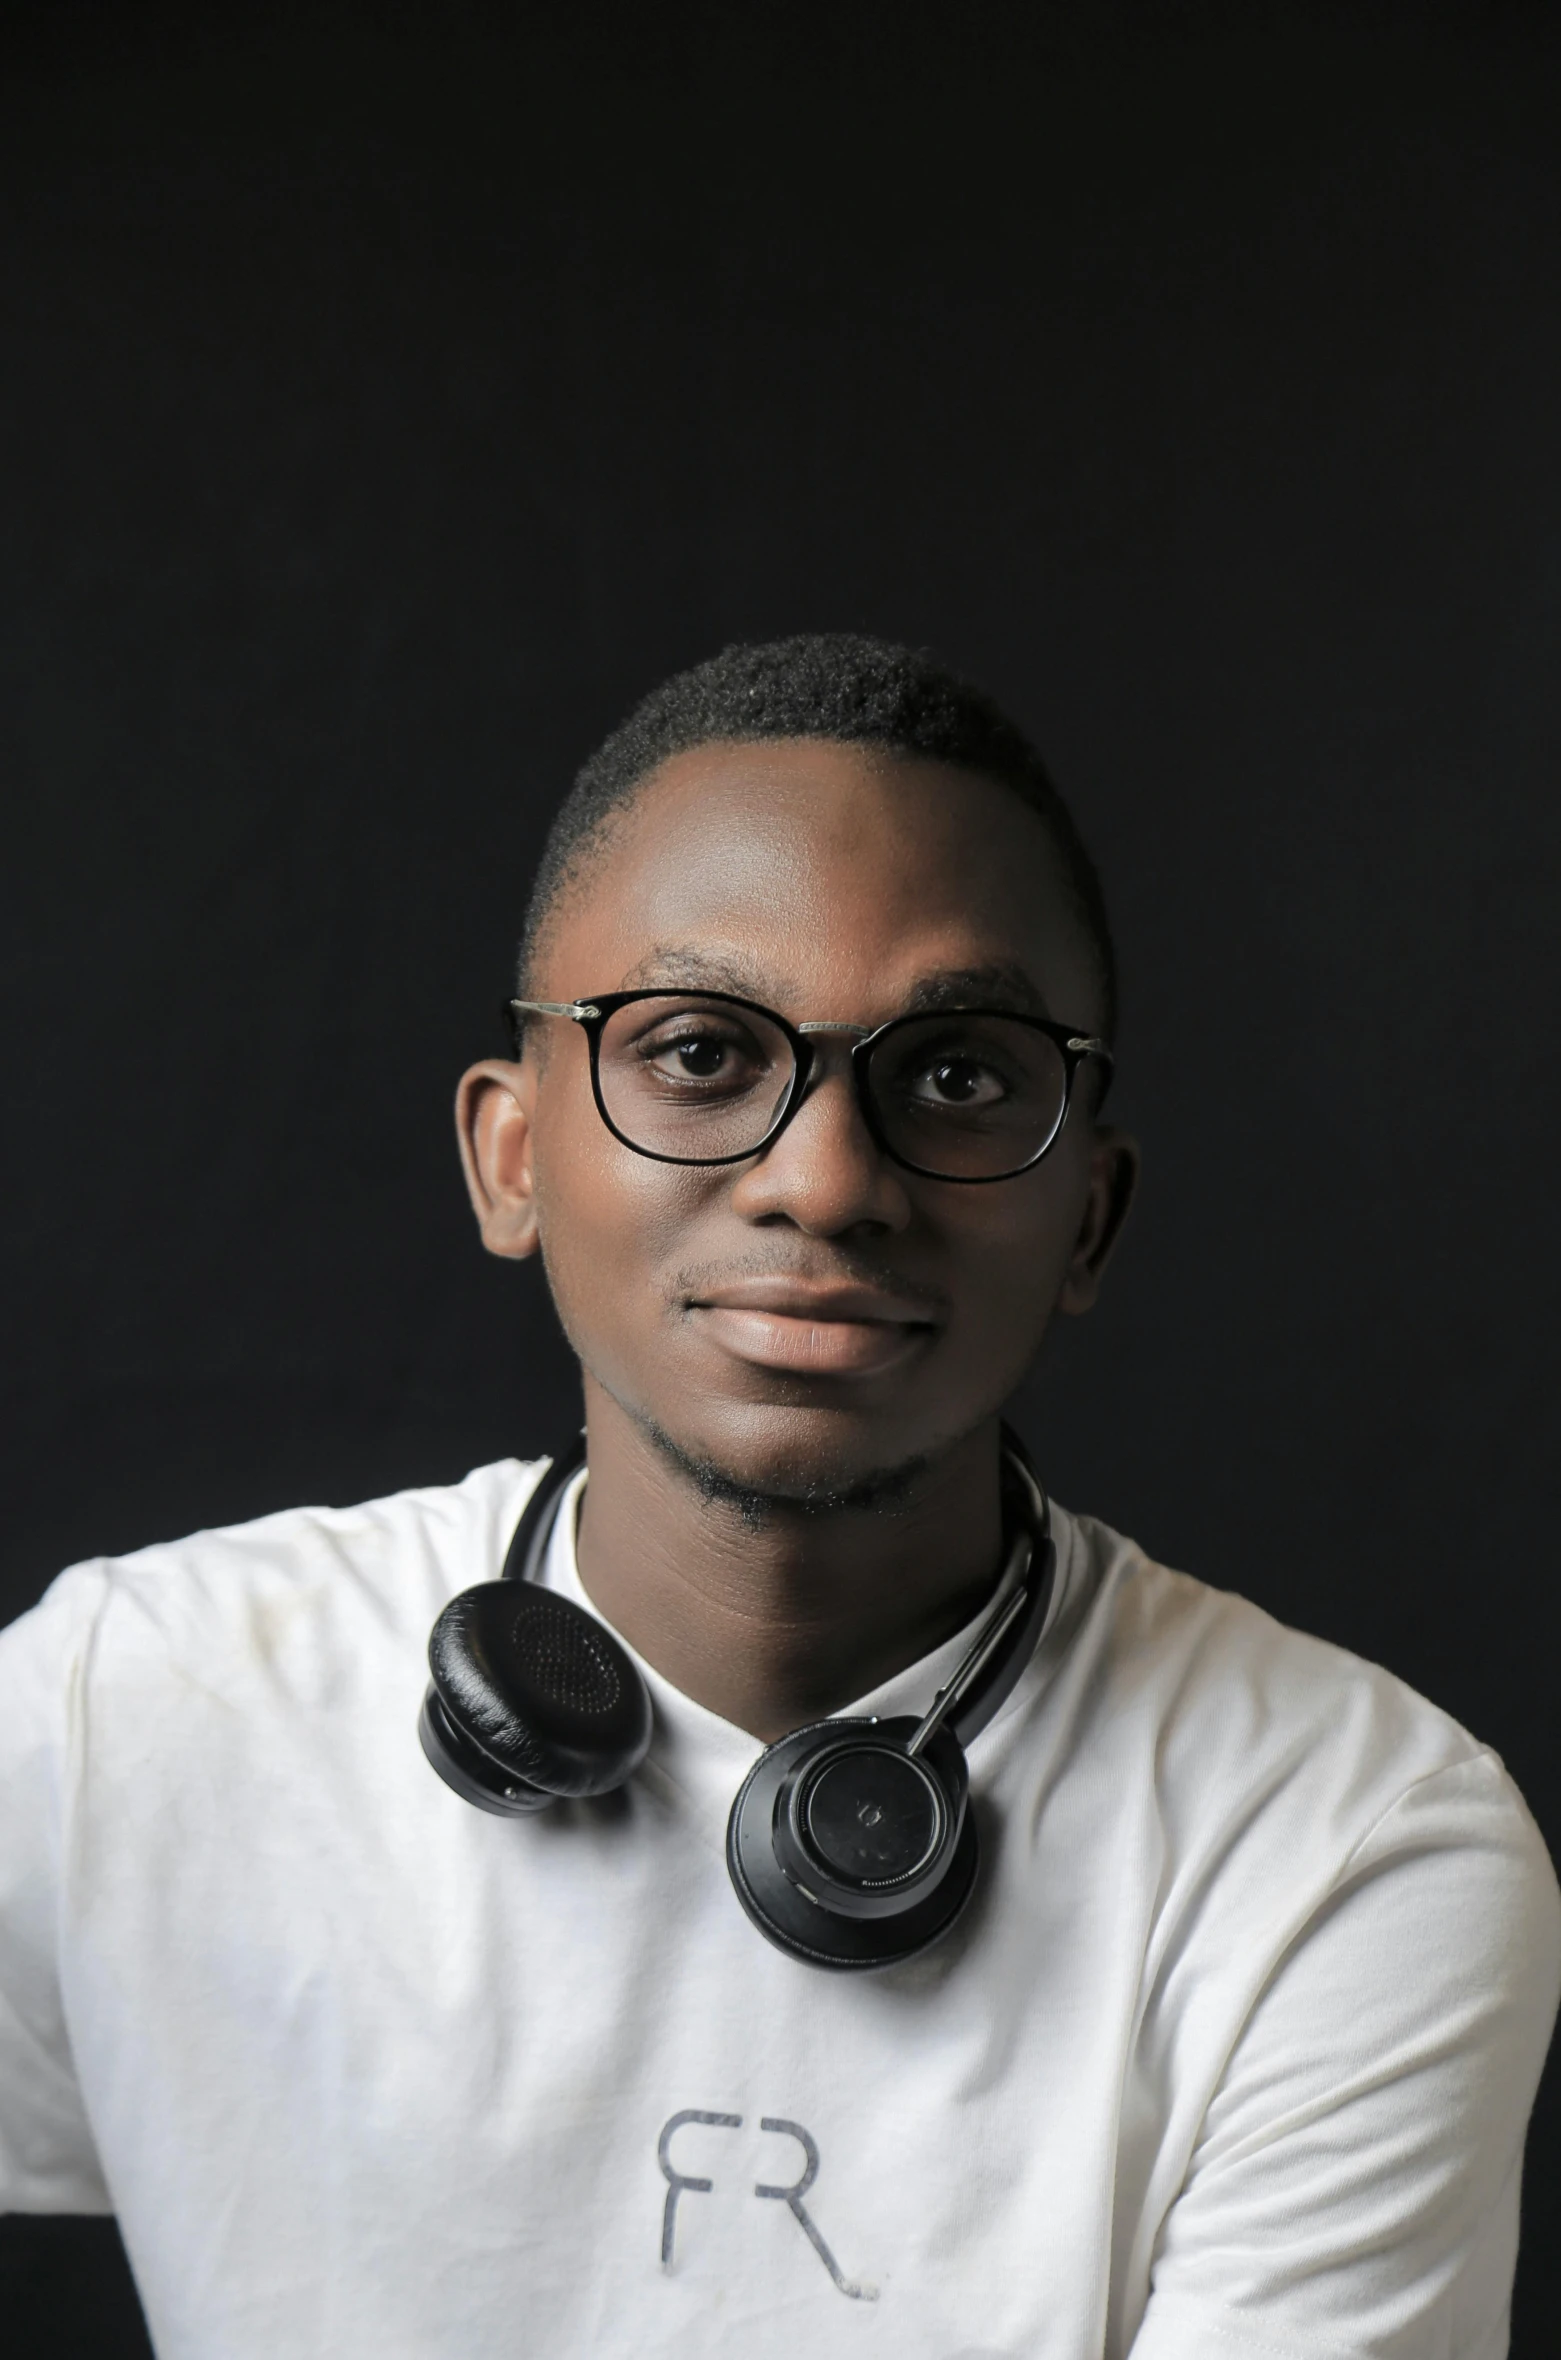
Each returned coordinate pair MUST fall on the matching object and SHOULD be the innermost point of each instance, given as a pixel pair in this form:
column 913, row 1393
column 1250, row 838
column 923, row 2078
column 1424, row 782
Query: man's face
column 815, row 1317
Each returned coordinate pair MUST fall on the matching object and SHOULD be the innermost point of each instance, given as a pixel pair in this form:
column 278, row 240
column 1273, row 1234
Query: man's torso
column 366, row 2070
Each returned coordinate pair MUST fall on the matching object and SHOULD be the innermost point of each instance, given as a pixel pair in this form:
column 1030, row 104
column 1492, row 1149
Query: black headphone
column 850, row 1842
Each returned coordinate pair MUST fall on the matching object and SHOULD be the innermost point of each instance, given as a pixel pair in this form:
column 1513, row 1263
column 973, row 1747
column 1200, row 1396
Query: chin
column 816, row 1460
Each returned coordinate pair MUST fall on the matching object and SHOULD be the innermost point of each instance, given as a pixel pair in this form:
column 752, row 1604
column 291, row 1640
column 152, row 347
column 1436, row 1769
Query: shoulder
column 1262, row 1746
column 1224, row 1683
column 303, row 1586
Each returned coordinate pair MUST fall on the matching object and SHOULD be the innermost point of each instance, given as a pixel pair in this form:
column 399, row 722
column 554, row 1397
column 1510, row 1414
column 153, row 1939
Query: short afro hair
column 835, row 684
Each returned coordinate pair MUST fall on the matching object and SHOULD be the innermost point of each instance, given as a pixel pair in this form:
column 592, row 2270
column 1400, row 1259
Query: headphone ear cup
column 532, row 1699
column 474, row 1775
column 849, row 1852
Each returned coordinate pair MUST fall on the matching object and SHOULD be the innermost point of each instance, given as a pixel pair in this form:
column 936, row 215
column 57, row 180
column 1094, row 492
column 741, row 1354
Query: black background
column 389, row 398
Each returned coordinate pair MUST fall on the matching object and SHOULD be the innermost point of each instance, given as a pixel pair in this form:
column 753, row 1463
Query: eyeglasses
column 968, row 1094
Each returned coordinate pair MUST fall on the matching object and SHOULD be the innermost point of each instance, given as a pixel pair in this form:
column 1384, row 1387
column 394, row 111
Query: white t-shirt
column 1232, row 2054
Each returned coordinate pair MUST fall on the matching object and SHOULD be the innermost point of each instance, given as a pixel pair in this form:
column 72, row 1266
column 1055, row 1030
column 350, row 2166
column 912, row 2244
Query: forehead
column 809, row 872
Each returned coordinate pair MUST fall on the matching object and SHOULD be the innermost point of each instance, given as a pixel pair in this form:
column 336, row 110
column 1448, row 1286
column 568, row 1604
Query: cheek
column 1013, row 1244
column 608, row 1223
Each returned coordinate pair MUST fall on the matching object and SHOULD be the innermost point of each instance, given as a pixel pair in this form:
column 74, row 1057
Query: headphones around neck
column 850, row 1843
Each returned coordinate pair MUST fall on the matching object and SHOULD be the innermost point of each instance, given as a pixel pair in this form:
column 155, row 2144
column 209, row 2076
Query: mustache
column 859, row 1270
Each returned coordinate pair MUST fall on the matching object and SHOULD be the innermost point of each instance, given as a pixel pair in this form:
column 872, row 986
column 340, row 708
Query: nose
column 825, row 1174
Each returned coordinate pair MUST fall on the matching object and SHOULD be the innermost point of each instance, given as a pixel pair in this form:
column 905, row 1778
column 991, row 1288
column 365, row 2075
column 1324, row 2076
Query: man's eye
column 958, row 1082
column 703, row 1060
column 701, row 1057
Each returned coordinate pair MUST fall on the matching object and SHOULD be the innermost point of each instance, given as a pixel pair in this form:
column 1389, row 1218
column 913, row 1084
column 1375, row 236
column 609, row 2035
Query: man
column 1219, row 2027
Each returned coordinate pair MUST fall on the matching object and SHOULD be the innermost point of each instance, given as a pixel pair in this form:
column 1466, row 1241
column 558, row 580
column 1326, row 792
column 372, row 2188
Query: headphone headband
column 523, row 1558
column 1001, row 1651
column 990, row 1670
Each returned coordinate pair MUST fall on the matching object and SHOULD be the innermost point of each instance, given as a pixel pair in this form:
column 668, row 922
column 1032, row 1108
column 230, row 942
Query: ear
column 1113, row 1177
column 493, row 1110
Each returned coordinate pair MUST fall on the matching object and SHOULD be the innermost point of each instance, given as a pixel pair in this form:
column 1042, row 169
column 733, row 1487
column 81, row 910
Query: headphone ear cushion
column 543, row 1689
column 472, row 1774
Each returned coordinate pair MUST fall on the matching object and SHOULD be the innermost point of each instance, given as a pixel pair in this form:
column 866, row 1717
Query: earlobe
column 493, row 1114
column 1114, row 1167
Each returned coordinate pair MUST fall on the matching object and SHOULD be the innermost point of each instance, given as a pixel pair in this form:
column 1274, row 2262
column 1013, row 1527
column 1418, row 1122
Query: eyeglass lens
column 958, row 1096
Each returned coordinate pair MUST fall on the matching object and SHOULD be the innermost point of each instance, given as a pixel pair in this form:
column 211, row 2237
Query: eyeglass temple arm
column 578, row 1009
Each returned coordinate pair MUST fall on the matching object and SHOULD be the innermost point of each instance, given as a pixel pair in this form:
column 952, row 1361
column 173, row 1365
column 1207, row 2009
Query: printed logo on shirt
column 789, row 2193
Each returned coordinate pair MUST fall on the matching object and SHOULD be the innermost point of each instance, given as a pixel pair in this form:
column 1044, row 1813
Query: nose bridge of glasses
column 819, row 1068
column 839, row 1076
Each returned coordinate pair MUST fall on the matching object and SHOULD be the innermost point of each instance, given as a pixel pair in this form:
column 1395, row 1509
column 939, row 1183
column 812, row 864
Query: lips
column 813, row 1329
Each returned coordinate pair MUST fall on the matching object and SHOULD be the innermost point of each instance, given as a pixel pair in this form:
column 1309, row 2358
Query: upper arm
column 48, row 2162
column 1354, row 2189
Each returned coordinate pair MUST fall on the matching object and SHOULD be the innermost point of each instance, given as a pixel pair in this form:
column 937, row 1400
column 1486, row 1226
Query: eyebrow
column 700, row 971
column 998, row 983
column 1002, row 983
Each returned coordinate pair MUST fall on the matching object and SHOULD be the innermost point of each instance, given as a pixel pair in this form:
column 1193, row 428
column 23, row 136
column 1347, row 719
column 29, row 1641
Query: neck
column 779, row 1620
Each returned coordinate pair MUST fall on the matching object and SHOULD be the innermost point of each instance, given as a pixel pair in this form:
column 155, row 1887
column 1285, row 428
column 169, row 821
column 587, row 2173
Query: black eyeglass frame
column 593, row 1015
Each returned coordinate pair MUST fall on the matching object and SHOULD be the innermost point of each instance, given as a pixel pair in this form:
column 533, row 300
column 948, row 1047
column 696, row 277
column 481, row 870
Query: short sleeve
column 48, row 2162
column 1354, row 2190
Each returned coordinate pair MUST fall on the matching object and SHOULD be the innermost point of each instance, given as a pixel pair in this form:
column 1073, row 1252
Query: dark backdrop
column 388, row 400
